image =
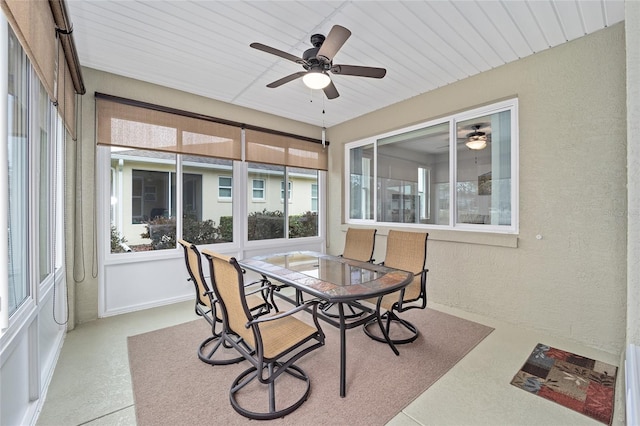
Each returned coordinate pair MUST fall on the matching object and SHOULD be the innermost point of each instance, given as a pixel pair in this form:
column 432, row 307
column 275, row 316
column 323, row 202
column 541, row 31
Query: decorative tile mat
column 582, row 384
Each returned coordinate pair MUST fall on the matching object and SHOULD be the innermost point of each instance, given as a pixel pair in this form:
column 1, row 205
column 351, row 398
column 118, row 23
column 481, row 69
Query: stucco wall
column 82, row 258
column 572, row 172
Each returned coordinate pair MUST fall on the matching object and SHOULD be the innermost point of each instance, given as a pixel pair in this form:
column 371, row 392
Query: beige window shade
column 263, row 147
column 125, row 125
column 35, row 24
column 66, row 96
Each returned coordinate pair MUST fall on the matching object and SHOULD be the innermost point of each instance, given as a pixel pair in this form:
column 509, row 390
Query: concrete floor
column 92, row 386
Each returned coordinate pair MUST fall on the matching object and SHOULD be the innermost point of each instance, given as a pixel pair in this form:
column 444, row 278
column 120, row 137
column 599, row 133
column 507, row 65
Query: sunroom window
column 405, row 177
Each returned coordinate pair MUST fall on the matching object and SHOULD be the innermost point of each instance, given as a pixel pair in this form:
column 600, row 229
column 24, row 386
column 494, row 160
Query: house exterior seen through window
column 148, row 194
column 457, row 172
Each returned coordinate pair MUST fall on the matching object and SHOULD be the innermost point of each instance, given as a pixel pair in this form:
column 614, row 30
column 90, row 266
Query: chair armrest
column 264, row 281
column 254, row 291
column 298, row 308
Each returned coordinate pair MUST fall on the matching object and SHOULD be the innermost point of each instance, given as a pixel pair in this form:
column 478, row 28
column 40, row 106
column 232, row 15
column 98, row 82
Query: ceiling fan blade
column 359, row 71
column 286, row 79
column 280, row 53
column 331, row 91
column 334, row 41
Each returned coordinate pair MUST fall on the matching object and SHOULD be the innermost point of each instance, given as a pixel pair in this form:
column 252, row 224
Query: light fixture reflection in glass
column 316, row 80
column 476, row 139
column 477, row 142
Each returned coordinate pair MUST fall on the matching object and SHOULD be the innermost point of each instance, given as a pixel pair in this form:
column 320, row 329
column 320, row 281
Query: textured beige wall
column 572, row 175
column 632, row 18
column 82, row 261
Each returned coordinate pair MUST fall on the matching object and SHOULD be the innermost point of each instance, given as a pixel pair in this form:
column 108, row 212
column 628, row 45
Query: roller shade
column 44, row 32
column 263, row 147
column 124, row 125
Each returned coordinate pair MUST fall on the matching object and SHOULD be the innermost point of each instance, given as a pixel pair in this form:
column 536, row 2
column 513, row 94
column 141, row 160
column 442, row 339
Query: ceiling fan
column 319, row 59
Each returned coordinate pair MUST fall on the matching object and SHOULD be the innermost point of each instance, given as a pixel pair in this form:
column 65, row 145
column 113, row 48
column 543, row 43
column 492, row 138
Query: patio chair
column 206, row 302
column 271, row 343
column 359, row 245
column 406, row 251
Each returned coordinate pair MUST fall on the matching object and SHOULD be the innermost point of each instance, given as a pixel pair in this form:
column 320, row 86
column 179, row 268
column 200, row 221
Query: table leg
column 343, row 351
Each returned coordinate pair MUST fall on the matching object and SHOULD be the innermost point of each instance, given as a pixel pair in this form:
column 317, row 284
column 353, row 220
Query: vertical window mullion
column 453, row 173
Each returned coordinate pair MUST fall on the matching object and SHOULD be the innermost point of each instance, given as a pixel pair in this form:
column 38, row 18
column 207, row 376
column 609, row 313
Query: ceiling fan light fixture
column 316, row 80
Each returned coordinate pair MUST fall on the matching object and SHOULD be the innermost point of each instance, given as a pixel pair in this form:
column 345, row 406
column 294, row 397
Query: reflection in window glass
column 411, row 166
column 44, row 187
column 314, row 197
column 17, row 150
column 303, row 219
column 453, row 172
column 266, row 219
column 361, row 182
column 483, row 189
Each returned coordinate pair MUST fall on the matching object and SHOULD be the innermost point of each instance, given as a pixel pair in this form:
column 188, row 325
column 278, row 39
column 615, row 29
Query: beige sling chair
column 271, row 343
column 358, row 245
column 206, row 305
column 406, row 251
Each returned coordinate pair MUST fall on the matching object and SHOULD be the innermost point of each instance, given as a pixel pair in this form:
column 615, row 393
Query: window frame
column 506, row 105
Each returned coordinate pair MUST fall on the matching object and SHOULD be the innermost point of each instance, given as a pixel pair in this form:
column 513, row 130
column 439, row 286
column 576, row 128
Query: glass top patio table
column 335, row 279
column 332, row 278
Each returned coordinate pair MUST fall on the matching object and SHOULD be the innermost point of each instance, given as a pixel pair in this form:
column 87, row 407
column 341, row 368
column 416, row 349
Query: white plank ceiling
column 202, row 47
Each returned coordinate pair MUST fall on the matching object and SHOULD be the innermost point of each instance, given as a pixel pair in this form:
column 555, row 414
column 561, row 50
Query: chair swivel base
column 207, row 355
column 393, row 319
column 250, row 375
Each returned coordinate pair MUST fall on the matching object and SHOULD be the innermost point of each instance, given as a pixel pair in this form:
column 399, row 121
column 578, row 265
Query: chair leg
column 252, row 374
column 206, row 356
column 391, row 318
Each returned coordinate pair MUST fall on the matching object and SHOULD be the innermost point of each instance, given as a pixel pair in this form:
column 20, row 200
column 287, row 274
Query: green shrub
column 162, row 232
column 305, row 225
column 265, row 225
column 117, row 241
column 226, row 228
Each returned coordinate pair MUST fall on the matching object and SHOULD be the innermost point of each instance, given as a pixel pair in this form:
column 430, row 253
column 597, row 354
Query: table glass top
column 329, row 277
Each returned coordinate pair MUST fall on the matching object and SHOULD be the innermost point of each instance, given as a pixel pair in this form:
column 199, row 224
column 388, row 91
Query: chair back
column 359, row 244
column 194, row 267
column 228, row 285
column 408, row 251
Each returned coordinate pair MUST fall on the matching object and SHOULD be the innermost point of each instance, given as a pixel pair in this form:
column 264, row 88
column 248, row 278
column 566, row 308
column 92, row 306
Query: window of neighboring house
column 314, row 197
column 406, row 176
column 282, row 191
column 225, row 189
column 257, row 189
